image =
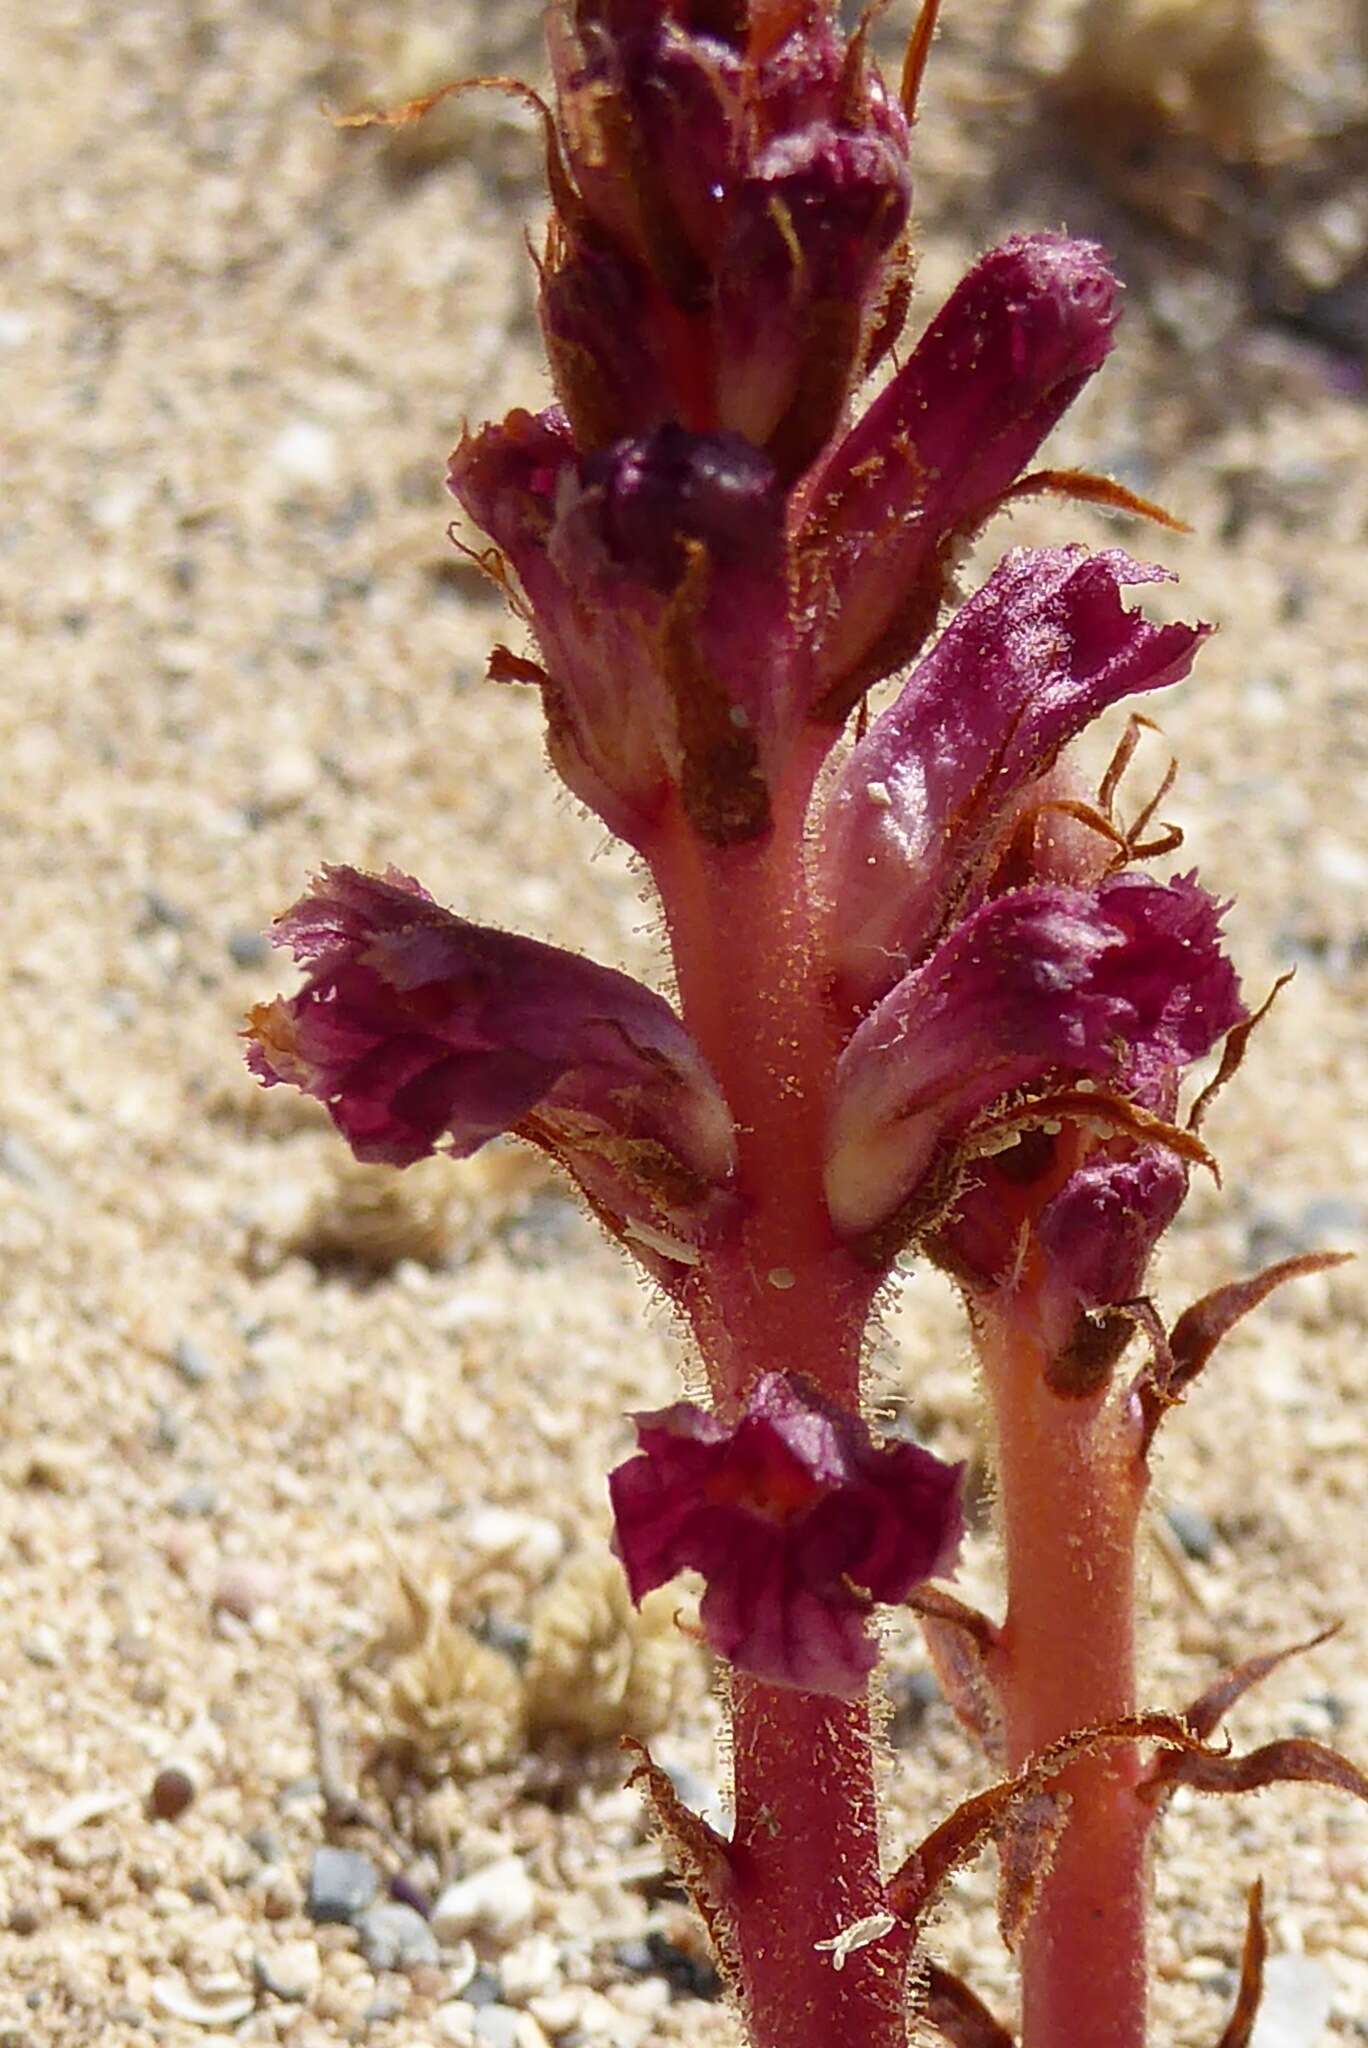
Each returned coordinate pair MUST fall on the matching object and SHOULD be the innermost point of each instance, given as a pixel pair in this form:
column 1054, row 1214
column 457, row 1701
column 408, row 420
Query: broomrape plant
column 932, row 996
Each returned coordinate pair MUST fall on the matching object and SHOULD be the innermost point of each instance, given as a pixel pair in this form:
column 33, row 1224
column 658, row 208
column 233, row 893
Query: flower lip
column 796, row 1519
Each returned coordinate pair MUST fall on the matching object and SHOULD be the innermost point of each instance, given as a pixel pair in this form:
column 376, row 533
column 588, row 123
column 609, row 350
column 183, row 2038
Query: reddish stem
column 787, row 1296
column 1071, row 1484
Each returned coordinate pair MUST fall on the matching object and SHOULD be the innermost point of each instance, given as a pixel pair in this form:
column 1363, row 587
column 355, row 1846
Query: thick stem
column 1071, row 1483
column 786, row 1296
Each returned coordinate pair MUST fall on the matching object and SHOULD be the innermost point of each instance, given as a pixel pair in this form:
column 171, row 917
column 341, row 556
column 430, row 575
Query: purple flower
column 927, row 462
column 419, row 1030
column 1037, row 990
column 655, row 572
column 926, row 801
column 797, row 1520
column 744, row 186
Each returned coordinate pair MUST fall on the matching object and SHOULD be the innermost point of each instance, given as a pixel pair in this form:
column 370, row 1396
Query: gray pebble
column 1195, row 1531
column 497, row 2026
column 342, row 1883
column 192, row 1362
column 248, row 949
column 394, row 1937
column 1329, row 1217
column 1296, row 2003
column 199, row 1498
column 484, row 1988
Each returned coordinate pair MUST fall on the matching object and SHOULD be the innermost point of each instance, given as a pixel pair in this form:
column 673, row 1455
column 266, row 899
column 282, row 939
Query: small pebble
column 196, row 1499
column 499, row 2026
column 531, row 1543
column 173, row 1790
column 305, row 452
column 499, row 1899
column 1296, row 2004
column 342, row 1883
column 483, row 1986
column 913, row 1694
column 43, row 1647
column 394, row 1937
column 248, row 949
column 1195, row 1531
column 192, row 1362
column 244, row 1587
column 454, row 2022
column 290, row 1973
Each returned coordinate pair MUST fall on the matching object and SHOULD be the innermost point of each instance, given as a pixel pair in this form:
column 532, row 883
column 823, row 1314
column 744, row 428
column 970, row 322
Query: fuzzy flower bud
column 741, row 175
column 799, row 1523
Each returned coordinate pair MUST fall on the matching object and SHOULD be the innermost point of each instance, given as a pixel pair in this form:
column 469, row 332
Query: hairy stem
column 1071, row 1484
column 788, row 1297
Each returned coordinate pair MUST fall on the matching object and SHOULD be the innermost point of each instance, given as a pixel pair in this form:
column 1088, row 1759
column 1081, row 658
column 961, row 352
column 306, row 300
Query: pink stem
column 1071, row 1484
column 806, row 1851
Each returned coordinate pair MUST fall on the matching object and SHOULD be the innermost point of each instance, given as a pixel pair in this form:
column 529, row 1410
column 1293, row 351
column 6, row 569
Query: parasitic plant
column 932, row 997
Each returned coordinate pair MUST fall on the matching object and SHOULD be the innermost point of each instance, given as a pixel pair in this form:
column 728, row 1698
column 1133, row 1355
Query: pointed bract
column 799, row 1523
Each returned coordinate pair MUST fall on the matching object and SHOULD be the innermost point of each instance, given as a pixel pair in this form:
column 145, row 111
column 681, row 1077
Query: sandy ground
column 248, row 1392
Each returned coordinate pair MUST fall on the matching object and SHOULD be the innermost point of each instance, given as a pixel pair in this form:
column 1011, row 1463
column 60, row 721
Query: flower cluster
column 717, row 553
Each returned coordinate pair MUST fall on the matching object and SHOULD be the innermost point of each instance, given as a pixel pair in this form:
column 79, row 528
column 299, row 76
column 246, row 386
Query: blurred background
column 301, row 1466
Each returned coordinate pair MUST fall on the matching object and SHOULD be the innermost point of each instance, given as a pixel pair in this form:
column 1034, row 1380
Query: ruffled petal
column 417, row 1030
column 799, row 1523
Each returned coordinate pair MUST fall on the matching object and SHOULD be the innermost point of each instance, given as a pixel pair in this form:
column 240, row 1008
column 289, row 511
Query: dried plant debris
column 597, row 1667
column 453, row 1703
column 375, row 1218
column 1239, row 125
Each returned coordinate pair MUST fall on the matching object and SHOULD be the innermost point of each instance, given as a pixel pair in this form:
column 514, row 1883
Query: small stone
column 73, row 1813
column 196, row 1499
column 529, row 1543
column 305, row 452
column 192, row 1362
column 1195, row 1531
column 530, row 1967
column 43, row 1647
column 499, row 1899
column 482, row 1986
column 173, row 1791
column 342, row 1883
column 1297, row 2000
column 291, row 1972
column 286, row 780
column 454, row 2022
column 394, row 1937
column 248, row 949
column 499, row 2026
column 244, row 1587
column 179, row 2002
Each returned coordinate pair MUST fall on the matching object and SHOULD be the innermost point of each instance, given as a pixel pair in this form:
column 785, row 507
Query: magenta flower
column 927, row 462
column 1034, row 991
column 739, row 192
column 418, row 1030
column 924, row 806
column 797, row 1520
